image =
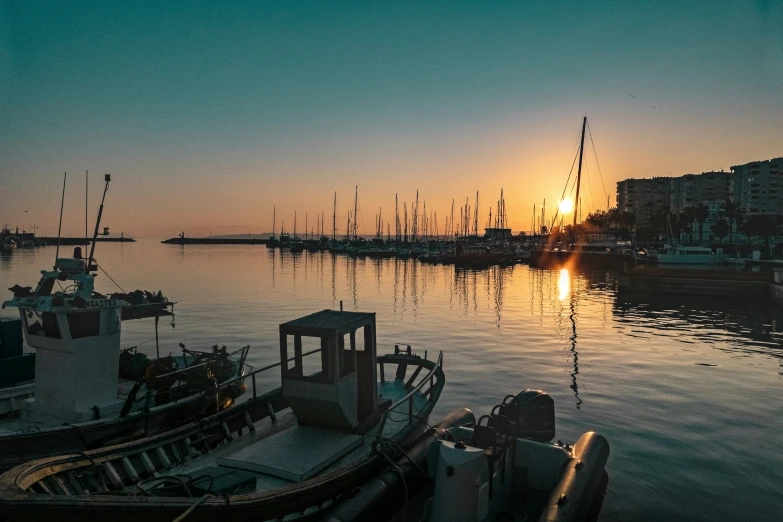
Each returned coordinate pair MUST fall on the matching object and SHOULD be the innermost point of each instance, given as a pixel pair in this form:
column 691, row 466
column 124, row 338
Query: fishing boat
column 83, row 395
column 504, row 466
column 687, row 255
column 7, row 241
column 286, row 454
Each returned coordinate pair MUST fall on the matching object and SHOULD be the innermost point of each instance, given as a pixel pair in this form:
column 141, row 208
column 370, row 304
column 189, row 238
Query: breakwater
column 214, row 241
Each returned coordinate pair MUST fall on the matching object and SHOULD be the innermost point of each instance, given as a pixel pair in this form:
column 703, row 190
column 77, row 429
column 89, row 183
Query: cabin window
column 348, row 351
column 51, row 327
column 317, row 364
column 84, row 324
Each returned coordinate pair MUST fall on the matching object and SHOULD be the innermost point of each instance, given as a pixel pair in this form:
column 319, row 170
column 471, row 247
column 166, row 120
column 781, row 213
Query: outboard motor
column 528, row 415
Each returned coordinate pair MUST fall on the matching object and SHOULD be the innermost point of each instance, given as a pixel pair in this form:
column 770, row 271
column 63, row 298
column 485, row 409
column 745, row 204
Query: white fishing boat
column 688, row 255
column 87, row 392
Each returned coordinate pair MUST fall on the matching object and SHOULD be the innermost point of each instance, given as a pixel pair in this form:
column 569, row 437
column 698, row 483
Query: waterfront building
column 758, row 186
column 643, row 197
column 707, row 188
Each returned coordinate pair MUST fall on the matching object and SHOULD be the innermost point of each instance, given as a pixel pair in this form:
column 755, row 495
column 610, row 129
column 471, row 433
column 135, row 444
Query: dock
column 702, row 282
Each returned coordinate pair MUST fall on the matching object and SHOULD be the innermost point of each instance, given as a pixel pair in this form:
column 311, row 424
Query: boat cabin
column 76, row 335
column 339, row 389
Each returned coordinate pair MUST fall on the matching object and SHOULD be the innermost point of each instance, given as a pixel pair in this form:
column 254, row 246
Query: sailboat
column 604, row 255
column 273, row 242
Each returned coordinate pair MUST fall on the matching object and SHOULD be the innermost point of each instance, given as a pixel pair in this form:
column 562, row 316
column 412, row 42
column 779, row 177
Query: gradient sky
column 208, row 115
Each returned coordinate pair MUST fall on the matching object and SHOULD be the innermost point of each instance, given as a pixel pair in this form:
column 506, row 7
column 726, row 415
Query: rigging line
column 107, row 275
column 570, row 173
column 590, row 186
column 596, row 160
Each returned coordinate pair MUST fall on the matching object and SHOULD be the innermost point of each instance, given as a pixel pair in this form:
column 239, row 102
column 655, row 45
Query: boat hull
column 21, row 496
column 18, row 448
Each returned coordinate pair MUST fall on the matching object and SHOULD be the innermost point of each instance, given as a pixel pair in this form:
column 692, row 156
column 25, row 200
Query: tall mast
column 86, row 203
column 579, row 172
column 274, row 216
column 451, row 221
column 355, row 209
column 334, row 218
column 416, row 217
column 396, row 219
column 294, row 224
column 475, row 218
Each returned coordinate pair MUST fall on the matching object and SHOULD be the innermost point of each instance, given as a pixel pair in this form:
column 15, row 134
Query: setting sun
column 566, row 206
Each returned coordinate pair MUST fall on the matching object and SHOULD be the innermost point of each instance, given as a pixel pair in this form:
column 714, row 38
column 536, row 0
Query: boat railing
column 252, row 375
column 408, row 398
column 182, row 375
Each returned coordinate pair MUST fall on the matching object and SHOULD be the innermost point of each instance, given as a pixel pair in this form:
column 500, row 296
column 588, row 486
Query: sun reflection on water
column 564, row 284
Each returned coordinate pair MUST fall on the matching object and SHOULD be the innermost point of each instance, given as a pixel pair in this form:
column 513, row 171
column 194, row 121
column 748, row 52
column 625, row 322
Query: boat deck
column 301, row 452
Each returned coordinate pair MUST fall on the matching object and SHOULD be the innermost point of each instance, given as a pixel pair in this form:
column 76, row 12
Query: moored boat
column 82, row 396
column 286, row 454
column 501, row 467
column 688, row 255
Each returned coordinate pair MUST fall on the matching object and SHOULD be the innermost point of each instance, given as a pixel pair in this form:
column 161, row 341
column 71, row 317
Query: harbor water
column 687, row 391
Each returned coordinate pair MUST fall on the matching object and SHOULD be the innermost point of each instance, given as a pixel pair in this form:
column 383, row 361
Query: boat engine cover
column 461, row 484
column 534, row 412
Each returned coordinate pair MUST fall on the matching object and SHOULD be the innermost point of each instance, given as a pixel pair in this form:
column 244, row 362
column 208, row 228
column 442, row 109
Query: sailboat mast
column 396, row 219
column 579, row 172
column 334, row 218
column 355, row 208
column 475, row 218
column 274, row 216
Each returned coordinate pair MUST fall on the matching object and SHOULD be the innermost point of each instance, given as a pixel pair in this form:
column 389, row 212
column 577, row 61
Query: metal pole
column 157, row 346
column 60, row 228
column 98, row 224
column 579, row 172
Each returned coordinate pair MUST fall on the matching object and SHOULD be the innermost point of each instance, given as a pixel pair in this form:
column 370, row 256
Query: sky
column 209, row 115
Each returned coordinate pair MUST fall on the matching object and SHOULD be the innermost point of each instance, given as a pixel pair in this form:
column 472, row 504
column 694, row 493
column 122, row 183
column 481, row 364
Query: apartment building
column 708, row 188
column 758, row 186
column 643, row 197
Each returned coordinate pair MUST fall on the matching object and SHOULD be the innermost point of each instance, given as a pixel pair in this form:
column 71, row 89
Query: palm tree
column 701, row 212
column 687, row 217
column 720, row 229
column 734, row 212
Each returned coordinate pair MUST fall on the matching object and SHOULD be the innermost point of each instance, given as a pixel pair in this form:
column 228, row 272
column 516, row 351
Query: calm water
column 688, row 392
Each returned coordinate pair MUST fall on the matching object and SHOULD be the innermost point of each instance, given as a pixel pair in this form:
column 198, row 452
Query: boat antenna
column 60, row 228
column 355, row 210
column 579, row 171
column 107, row 178
column 86, row 199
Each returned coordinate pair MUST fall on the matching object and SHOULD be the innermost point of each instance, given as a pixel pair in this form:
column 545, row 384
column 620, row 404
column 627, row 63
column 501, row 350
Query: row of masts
column 410, row 226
